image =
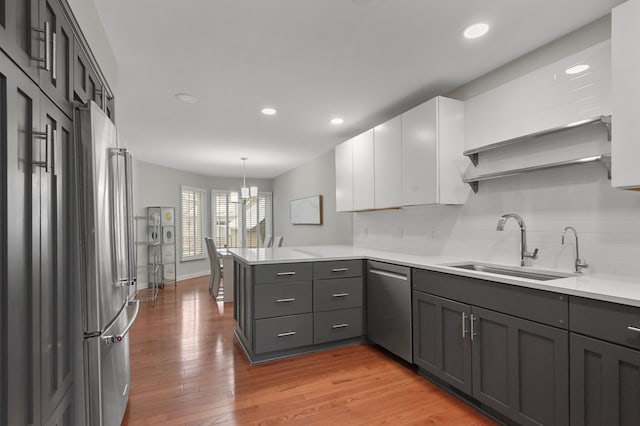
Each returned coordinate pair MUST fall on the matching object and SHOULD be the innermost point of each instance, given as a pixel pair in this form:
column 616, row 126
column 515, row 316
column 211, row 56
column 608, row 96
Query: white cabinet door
column 420, row 154
column 387, row 142
column 625, row 61
column 363, row 176
column 344, row 176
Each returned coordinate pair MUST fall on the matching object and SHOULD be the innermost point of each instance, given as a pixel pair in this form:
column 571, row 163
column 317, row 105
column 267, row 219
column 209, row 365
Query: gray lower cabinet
column 284, row 309
column 279, row 333
column 441, row 343
column 520, row 368
column 514, row 366
column 337, row 325
column 605, row 363
column 605, row 383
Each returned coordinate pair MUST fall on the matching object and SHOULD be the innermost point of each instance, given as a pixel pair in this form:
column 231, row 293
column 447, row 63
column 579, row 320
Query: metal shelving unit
column 159, row 242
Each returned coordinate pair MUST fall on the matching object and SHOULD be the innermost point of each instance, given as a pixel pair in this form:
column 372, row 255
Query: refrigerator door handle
column 117, row 338
column 132, row 267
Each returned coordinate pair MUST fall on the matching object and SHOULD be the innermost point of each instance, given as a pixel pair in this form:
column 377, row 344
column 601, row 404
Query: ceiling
column 312, row 60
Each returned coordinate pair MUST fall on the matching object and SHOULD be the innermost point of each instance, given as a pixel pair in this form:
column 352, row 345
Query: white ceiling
column 363, row 60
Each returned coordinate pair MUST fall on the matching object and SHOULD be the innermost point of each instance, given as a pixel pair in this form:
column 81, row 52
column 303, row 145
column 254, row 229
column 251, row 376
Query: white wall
column 87, row 16
column 607, row 219
column 316, row 177
column 160, row 186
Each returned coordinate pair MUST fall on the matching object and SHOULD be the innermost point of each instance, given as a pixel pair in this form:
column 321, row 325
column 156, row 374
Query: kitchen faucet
column 524, row 254
column 579, row 263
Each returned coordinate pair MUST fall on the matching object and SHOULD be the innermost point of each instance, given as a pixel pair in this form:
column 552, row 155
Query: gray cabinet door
column 605, row 383
column 441, row 343
column 19, row 37
column 57, row 296
column 57, row 81
column 520, row 368
column 86, row 84
column 21, row 297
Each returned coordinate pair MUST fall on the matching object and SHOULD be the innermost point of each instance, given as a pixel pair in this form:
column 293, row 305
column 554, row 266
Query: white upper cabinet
column 344, row 176
column 432, row 160
column 387, row 142
column 363, row 175
column 568, row 91
column 625, row 62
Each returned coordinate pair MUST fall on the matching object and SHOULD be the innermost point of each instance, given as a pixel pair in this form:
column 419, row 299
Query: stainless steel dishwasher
column 389, row 308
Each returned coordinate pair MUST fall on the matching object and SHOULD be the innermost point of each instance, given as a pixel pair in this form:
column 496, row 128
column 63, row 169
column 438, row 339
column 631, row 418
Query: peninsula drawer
column 605, row 320
column 341, row 293
column 282, row 272
column 536, row 305
column 337, row 269
column 274, row 334
column 337, row 325
column 275, row 300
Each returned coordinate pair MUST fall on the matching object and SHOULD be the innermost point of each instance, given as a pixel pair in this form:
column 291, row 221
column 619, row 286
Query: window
column 192, row 224
column 240, row 223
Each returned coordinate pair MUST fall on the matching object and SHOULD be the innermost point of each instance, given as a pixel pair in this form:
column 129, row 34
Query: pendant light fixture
column 245, row 191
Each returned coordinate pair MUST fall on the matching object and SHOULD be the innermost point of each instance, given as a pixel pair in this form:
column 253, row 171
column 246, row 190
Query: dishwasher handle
column 389, row 274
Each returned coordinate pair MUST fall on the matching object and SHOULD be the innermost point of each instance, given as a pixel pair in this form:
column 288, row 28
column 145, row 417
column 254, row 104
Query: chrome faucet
column 579, row 263
column 524, row 254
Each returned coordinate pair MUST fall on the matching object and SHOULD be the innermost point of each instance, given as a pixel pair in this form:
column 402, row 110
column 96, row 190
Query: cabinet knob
column 561, row 297
column 560, row 321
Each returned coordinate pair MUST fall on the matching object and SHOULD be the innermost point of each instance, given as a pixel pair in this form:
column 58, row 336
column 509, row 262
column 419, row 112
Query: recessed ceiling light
column 186, row 98
column 336, row 121
column 476, row 30
column 577, row 69
column 269, row 111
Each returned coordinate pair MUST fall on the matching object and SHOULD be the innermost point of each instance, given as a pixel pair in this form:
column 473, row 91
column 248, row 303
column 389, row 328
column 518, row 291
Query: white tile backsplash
column 607, row 220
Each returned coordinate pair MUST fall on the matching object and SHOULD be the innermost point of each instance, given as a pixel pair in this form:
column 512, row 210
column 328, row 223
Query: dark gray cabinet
column 605, row 364
column 520, row 368
column 20, row 37
column 37, row 301
column 283, row 309
column 605, row 383
column 56, row 78
column 515, row 366
column 441, row 343
column 21, row 201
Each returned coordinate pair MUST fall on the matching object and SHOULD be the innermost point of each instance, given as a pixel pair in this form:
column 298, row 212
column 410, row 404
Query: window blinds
column 240, row 223
column 192, row 224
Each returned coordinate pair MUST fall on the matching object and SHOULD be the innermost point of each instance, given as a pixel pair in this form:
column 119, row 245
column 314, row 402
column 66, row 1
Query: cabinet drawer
column 341, row 293
column 536, row 305
column 282, row 273
column 336, row 325
column 275, row 300
column 274, row 334
column 605, row 320
column 337, row 269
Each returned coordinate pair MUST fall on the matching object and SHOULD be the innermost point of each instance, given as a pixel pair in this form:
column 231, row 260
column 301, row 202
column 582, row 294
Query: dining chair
column 216, row 270
column 277, row 241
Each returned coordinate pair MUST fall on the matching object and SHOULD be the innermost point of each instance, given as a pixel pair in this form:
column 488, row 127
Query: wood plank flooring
column 187, row 369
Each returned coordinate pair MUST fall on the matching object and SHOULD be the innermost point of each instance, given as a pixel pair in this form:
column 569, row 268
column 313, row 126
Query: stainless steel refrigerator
column 107, row 261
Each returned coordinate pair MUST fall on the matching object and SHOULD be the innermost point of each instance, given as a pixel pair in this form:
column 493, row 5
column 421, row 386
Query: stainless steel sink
column 513, row 272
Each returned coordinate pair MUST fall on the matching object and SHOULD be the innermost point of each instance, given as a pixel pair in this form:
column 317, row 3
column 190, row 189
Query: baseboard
column 143, row 285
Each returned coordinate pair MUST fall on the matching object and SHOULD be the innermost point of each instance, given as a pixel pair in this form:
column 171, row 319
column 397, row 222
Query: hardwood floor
column 187, row 369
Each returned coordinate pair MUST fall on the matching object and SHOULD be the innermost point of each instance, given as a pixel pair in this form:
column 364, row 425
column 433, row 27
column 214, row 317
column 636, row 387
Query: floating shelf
column 603, row 119
column 473, row 180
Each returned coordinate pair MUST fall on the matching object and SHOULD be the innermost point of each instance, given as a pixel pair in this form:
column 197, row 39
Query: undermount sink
column 513, row 271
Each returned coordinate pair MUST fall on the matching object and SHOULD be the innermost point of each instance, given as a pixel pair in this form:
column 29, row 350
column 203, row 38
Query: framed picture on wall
column 306, row 211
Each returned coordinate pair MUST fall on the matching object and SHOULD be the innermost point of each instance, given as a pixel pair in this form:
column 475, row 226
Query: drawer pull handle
column 288, row 333
column 389, row 274
column 282, row 274
column 343, row 325
column 464, row 325
column 340, row 295
column 473, row 333
column 340, row 270
column 630, row 328
column 290, row 299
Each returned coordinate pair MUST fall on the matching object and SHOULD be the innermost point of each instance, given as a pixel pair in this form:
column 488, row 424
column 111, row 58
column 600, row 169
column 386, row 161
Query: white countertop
column 625, row 290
